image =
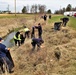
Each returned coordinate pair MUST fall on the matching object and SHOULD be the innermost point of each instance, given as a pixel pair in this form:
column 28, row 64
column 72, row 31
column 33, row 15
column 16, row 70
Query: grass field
column 55, row 18
column 28, row 16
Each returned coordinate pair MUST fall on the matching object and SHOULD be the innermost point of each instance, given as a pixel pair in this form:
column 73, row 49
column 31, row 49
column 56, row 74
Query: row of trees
column 68, row 8
column 42, row 9
column 35, row 9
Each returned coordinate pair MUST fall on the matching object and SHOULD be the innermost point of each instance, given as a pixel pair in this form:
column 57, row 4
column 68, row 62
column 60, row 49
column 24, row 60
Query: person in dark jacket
column 65, row 20
column 45, row 17
column 49, row 16
column 57, row 25
column 36, row 41
column 33, row 32
column 3, row 57
column 22, row 37
column 39, row 27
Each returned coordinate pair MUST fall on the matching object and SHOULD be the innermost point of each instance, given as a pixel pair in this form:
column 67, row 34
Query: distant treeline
column 62, row 10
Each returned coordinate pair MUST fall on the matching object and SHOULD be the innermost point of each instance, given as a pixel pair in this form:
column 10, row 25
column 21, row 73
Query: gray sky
column 50, row 4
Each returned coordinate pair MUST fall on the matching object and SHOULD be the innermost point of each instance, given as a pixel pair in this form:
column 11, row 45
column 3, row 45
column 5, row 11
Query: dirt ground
column 44, row 61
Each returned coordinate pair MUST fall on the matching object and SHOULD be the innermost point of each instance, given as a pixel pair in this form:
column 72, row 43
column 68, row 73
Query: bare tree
column 41, row 8
column 32, row 9
column 27, row 8
column 74, row 9
column 36, row 8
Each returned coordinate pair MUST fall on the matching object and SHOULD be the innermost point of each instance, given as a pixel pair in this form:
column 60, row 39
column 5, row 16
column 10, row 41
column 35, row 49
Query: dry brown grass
column 44, row 61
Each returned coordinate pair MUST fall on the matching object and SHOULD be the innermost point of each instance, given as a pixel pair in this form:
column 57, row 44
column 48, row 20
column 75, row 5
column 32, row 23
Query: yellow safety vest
column 17, row 38
column 26, row 29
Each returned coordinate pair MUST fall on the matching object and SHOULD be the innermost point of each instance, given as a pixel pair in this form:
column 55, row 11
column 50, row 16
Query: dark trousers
column 57, row 26
column 64, row 24
column 10, row 57
column 17, row 41
column 22, row 41
column 1, row 65
column 34, row 45
column 40, row 35
column 27, row 34
column 32, row 35
column 7, row 63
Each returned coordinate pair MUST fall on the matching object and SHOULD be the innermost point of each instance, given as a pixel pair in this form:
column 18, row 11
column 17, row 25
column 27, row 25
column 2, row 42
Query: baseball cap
column 0, row 38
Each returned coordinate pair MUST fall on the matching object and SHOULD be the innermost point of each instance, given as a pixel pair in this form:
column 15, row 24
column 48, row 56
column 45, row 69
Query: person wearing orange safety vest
column 17, row 38
column 27, row 31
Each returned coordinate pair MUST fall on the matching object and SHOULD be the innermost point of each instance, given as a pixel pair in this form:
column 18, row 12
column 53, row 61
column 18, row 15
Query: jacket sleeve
column 36, row 27
column 4, row 49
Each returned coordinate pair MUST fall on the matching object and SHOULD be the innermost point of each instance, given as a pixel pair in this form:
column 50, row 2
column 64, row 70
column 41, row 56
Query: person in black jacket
column 39, row 27
column 22, row 37
column 45, row 17
column 33, row 32
column 36, row 41
column 57, row 25
column 65, row 20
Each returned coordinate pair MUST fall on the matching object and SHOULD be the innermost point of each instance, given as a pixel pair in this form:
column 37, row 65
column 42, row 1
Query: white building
column 69, row 13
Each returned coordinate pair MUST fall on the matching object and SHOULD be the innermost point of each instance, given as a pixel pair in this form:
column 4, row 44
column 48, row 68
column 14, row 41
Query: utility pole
column 8, row 8
column 15, row 7
column 60, row 10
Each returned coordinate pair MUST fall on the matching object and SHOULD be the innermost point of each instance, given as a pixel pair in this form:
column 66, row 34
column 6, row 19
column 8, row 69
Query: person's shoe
column 11, row 71
column 3, row 71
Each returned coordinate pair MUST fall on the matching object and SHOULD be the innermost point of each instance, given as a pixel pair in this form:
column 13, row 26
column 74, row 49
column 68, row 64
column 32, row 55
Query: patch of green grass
column 55, row 19
column 72, row 22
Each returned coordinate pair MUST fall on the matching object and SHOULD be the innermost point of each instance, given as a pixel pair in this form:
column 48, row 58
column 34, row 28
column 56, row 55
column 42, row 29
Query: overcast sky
column 50, row 4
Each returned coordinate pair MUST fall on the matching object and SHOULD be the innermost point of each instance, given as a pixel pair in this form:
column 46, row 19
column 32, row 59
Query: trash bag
column 9, row 57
